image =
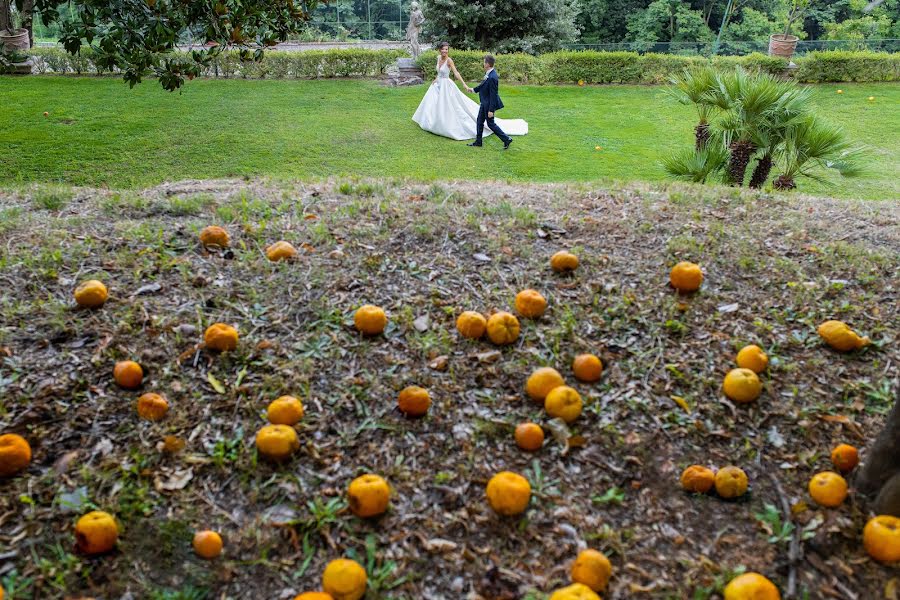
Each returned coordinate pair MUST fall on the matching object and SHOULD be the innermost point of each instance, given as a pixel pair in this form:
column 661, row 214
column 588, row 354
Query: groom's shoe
column 475, row 145
column 507, row 143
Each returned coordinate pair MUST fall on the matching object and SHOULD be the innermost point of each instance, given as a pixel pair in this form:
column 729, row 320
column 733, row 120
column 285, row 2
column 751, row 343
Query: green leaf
column 217, row 385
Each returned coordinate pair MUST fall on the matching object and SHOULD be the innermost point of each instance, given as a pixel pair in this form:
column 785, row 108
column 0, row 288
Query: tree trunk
column 761, row 172
column 701, row 135
column 28, row 20
column 741, row 151
column 879, row 477
column 5, row 15
column 784, row 183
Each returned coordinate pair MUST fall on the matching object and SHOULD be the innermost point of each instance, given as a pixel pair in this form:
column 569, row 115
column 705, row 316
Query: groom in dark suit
column 488, row 92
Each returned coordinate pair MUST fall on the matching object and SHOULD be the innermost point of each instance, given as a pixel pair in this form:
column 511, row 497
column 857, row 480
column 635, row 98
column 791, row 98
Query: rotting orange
column 828, row 489
column 593, row 569
column 742, row 386
column 587, row 368
column 731, row 482
column 207, row 544
column 414, row 401
column 576, row 591
column 529, row 436
column 752, row 357
column 368, row 495
column 697, row 479
column 277, row 442
column 91, row 294
column 508, row 493
column 152, row 407
column 214, row 235
column 845, row 457
column 471, row 324
column 128, row 374
column 221, row 337
column 503, row 328
column 96, row 532
column 686, row 277
column 344, row 579
column 285, row 410
column 530, row 304
column 563, row 262
column 281, row 250
column 881, row 538
column 314, row 596
column 839, row 336
column 541, row 382
column 751, row 586
column 370, row 320
column 563, row 402
column 15, row 454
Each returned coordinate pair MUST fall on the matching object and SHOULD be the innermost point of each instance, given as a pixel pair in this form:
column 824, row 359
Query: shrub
column 844, row 65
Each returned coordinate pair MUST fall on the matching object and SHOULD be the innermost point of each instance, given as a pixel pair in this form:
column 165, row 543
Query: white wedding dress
column 446, row 110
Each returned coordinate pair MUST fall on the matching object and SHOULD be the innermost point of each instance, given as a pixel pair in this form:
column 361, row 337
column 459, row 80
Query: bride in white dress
column 446, row 110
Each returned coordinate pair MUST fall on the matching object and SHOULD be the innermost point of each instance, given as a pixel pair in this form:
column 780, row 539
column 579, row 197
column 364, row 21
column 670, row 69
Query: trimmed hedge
column 556, row 67
column 310, row 64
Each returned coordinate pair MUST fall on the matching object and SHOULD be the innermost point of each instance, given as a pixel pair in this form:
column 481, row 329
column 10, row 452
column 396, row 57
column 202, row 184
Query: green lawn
column 101, row 133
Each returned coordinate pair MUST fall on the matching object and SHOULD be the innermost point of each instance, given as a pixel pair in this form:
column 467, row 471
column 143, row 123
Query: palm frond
column 695, row 165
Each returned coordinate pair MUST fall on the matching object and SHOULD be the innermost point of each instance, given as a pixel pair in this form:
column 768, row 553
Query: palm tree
column 811, row 145
column 791, row 107
column 693, row 86
column 748, row 103
column 696, row 165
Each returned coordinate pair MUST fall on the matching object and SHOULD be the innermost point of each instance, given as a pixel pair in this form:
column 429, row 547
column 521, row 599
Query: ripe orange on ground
column 96, row 532
column 742, row 385
column 839, row 336
column 503, row 328
column 587, row 368
column 15, row 454
column 541, row 382
column 563, row 262
column 828, row 489
column 277, row 442
column 751, row 586
column 414, row 401
column 285, row 410
column 128, row 374
column 207, row 544
column 370, row 319
column 697, row 479
column 309, row 596
column 686, row 277
column 508, row 493
column 576, row 591
column 593, row 569
column 215, row 236
column 530, row 304
column 368, row 495
column 845, row 457
column 281, row 250
column 344, row 579
column 471, row 324
column 752, row 357
column 152, row 407
column 529, row 436
column 563, row 402
column 731, row 482
column 91, row 294
column 881, row 538
column 221, row 337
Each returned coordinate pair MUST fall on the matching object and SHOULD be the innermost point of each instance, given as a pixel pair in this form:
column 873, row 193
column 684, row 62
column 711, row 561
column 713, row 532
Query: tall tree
column 606, row 21
column 135, row 36
column 502, row 25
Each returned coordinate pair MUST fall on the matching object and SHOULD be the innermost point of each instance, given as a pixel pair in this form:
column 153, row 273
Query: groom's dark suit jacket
column 488, row 92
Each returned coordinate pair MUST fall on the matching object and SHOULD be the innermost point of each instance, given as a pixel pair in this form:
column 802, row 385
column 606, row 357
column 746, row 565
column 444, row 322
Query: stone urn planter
column 782, row 45
column 15, row 42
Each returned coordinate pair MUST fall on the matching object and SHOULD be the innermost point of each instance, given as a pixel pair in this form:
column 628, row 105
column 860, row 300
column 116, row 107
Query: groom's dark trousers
column 488, row 93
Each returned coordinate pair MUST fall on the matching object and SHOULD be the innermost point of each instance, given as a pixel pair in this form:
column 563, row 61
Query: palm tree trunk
column 761, row 172
column 784, row 183
column 701, row 134
column 880, row 475
column 741, row 151
column 28, row 20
